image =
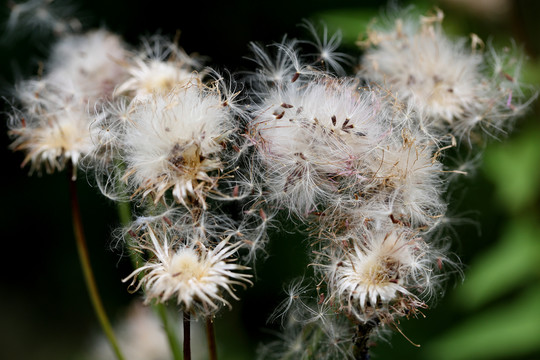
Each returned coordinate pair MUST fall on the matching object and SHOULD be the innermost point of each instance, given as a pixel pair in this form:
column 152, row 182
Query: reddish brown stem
column 187, row 336
column 89, row 279
column 211, row 338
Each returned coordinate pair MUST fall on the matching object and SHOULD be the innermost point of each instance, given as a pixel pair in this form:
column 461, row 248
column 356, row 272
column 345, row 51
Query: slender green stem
column 211, row 338
column 124, row 214
column 187, row 335
column 82, row 250
column 172, row 337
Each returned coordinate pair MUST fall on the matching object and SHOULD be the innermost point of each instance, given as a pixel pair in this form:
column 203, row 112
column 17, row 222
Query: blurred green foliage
column 499, row 302
column 508, row 330
column 501, row 293
column 350, row 22
column 513, row 167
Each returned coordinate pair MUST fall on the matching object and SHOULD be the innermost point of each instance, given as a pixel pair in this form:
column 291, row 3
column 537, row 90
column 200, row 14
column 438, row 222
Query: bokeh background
column 494, row 313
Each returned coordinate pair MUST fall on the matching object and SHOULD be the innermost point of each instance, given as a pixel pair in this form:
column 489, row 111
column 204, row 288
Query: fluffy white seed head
column 196, row 276
column 406, row 175
column 446, row 80
column 379, row 274
column 176, row 141
column 309, row 134
column 88, row 66
column 52, row 131
column 53, row 124
column 157, row 69
column 154, row 77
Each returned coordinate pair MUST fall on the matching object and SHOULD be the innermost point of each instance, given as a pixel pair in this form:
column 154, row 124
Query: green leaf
column 513, row 168
column 531, row 73
column 507, row 331
column 351, row 22
column 510, row 263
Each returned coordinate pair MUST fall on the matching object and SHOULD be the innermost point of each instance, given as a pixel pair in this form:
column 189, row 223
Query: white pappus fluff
column 448, row 81
column 177, row 141
column 190, row 272
column 309, row 134
column 53, row 132
column 53, row 125
column 380, row 274
column 157, row 69
column 407, row 176
column 88, row 66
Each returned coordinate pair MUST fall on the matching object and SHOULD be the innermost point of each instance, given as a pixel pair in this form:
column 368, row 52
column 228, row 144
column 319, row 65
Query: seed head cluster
column 158, row 68
column 358, row 161
column 452, row 84
column 151, row 129
column 53, row 125
column 169, row 141
column 176, row 141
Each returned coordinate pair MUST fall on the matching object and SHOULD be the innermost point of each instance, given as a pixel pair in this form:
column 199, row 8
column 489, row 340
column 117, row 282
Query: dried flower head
column 53, row 133
column 87, row 66
column 53, row 124
column 312, row 133
column 177, row 141
column 159, row 68
column 380, row 274
column 446, row 80
column 406, row 174
column 195, row 275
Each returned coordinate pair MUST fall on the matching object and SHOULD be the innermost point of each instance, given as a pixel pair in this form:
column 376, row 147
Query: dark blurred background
column 493, row 314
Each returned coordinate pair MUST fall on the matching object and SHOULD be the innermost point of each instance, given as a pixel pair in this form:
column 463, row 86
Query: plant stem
column 84, row 258
column 187, row 336
column 124, row 214
column 361, row 340
column 211, row 338
column 169, row 330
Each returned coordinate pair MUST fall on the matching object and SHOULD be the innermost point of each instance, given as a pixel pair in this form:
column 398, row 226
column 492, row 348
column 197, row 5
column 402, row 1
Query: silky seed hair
column 53, row 135
column 88, row 66
column 311, row 132
column 158, row 68
column 452, row 83
column 176, row 141
column 379, row 274
column 53, row 121
column 194, row 273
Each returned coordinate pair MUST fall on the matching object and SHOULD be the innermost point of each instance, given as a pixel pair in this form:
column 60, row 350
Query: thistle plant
column 205, row 161
column 52, row 125
column 192, row 274
column 457, row 86
column 359, row 159
column 171, row 143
